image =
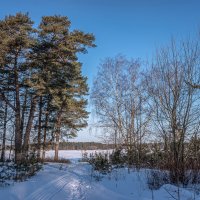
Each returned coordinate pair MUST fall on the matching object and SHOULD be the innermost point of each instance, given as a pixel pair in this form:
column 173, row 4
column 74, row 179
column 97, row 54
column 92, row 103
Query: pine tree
column 63, row 78
column 16, row 39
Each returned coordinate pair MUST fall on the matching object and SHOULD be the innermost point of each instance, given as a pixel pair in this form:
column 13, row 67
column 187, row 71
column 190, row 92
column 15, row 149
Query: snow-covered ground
column 73, row 155
column 75, row 182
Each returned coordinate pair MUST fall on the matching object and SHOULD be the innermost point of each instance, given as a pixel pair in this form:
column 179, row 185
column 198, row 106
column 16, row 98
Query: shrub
column 84, row 157
column 157, row 178
column 7, row 173
column 28, row 167
column 100, row 162
column 118, row 158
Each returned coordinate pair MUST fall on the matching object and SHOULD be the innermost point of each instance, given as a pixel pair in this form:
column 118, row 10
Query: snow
column 75, row 182
column 74, row 154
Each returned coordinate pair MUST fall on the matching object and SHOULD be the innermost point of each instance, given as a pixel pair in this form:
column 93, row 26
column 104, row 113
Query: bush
column 100, row 162
column 118, row 158
column 9, row 171
column 85, row 157
column 28, row 167
column 157, row 178
column 24, row 171
column 104, row 162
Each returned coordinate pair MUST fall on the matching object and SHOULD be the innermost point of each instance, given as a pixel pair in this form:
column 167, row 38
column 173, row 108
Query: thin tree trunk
column 23, row 111
column 11, row 144
column 57, row 135
column 39, row 127
column 57, row 145
column 45, row 130
column 4, row 133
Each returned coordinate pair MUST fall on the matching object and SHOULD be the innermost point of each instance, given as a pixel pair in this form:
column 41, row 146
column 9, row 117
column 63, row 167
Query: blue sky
column 130, row 27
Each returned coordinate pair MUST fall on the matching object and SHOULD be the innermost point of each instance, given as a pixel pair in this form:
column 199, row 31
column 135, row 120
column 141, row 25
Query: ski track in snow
column 72, row 187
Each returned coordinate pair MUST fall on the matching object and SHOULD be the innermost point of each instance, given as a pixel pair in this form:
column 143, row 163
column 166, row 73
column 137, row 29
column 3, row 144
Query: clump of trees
column 175, row 102
column 42, row 89
column 152, row 111
column 120, row 103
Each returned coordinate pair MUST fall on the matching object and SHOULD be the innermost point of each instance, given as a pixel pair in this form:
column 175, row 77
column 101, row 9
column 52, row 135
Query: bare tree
column 120, row 102
column 175, row 103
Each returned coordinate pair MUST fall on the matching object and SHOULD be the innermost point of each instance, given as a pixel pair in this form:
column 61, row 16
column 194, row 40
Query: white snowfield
column 75, row 182
column 74, row 154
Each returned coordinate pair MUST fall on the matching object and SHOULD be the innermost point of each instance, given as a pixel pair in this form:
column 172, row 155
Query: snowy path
column 71, row 182
column 69, row 186
column 49, row 190
column 61, row 182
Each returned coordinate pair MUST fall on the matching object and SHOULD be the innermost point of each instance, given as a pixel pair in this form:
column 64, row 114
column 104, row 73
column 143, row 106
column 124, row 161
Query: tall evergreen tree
column 63, row 79
column 16, row 40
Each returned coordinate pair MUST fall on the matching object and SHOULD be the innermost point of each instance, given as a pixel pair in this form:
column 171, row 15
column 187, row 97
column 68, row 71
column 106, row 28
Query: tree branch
column 3, row 97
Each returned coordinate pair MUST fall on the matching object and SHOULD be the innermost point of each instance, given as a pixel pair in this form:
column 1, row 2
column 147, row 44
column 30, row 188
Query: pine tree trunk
column 57, row 133
column 24, row 111
column 18, row 135
column 4, row 134
column 29, row 125
column 45, row 130
column 39, row 128
column 57, row 146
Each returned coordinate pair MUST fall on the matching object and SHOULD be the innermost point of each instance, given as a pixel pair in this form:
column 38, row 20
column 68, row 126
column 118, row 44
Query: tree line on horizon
column 42, row 89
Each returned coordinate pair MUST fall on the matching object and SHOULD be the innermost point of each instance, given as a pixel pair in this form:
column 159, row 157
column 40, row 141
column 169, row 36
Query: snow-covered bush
column 85, row 157
column 10, row 171
column 100, row 162
column 29, row 166
column 157, row 178
column 118, row 158
column 26, row 170
column 7, row 172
